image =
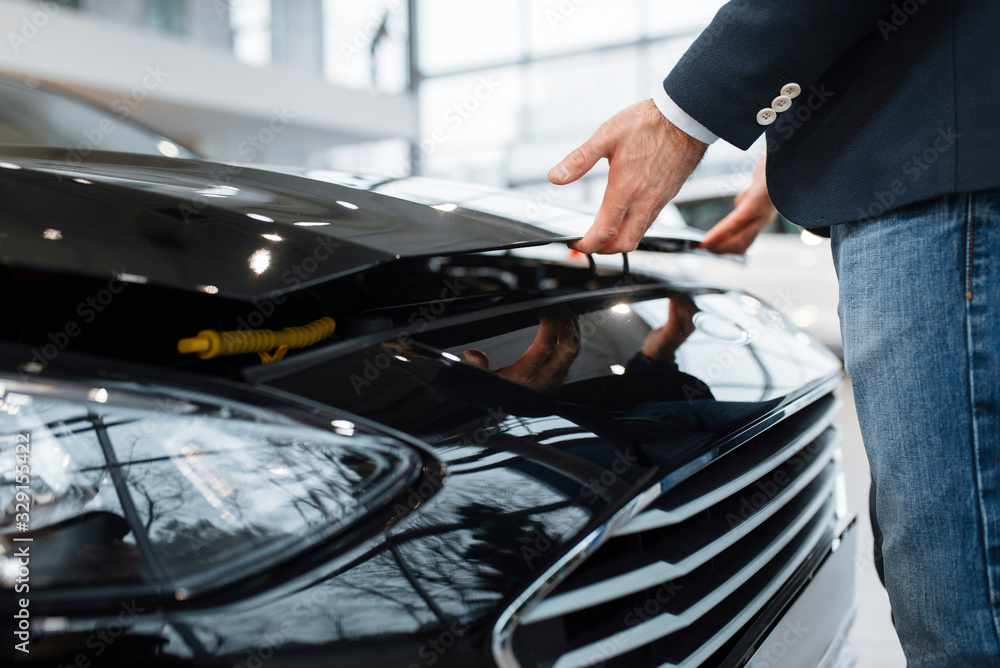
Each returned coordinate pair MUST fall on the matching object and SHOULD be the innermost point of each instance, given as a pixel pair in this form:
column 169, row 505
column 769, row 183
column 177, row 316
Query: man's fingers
column 477, row 358
column 608, row 221
column 633, row 228
column 604, row 229
column 543, row 346
column 753, row 213
column 649, row 159
column 630, row 232
column 681, row 316
column 722, row 231
column 555, row 369
column 735, row 232
column 682, row 306
column 736, row 235
column 545, row 364
column 580, row 161
column 571, row 324
column 568, row 346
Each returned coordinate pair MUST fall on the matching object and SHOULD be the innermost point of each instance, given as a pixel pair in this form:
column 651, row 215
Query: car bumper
column 813, row 631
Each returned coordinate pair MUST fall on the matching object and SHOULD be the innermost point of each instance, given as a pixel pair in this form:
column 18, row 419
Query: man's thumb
column 576, row 164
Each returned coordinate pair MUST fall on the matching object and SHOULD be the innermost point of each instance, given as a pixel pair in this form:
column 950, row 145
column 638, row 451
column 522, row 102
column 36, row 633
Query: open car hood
column 249, row 232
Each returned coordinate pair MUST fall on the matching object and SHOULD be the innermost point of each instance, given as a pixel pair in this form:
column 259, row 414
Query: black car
column 296, row 418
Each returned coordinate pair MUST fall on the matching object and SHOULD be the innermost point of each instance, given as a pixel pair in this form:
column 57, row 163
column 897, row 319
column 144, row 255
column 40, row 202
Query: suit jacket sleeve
column 752, row 48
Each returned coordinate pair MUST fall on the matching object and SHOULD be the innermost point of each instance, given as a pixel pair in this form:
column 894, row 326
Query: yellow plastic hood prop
column 210, row 343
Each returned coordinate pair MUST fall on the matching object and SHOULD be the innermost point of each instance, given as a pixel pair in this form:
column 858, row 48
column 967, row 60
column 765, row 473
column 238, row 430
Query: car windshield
column 30, row 115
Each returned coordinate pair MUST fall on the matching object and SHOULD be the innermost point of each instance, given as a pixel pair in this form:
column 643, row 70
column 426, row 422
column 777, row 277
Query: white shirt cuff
column 680, row 118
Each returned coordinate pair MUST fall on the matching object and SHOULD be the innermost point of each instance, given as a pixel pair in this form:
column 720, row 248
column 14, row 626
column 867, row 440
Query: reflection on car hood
column 248, row 232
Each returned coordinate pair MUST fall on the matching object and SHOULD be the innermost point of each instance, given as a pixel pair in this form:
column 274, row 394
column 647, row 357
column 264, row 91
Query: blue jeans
column 920, row 317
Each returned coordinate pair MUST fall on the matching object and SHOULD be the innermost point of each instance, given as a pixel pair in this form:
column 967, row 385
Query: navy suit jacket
column 900, row 99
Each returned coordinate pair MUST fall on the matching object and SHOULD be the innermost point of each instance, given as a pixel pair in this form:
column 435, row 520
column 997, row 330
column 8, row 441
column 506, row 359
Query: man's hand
column 753, row 213
column 662, row 343
column 545, row 364
column 649, row 159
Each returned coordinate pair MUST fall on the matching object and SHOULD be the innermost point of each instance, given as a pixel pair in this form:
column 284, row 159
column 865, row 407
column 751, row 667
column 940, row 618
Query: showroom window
column 251, row 24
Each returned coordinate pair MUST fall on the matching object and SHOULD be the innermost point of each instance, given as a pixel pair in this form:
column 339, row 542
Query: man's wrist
column 680, row 118
column 685, row 150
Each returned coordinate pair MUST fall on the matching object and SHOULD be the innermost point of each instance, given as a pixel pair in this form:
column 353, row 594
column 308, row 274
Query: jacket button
column 766, row 116
column 791, row 90
column 780, row 103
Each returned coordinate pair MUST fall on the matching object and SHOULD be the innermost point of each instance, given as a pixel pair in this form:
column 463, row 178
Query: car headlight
column 125, row 484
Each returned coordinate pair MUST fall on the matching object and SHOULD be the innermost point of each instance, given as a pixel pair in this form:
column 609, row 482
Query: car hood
column 249, row 232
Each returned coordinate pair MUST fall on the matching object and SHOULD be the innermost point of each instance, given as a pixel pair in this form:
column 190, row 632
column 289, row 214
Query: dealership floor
column 872, row 638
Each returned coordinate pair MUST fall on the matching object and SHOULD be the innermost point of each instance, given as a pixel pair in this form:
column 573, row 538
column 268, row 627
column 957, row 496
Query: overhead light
column 445, row 207
column 347, row 205
column 84, row 182
column 260, row 261
column 310, row 223
column 168, row 148
column 9, row 165
column 100, row 395
column 272, row 237
column 261, row 217
column 51, row 234
column 132, row 278
column 210, row 289
column 617, row 369
column 621, row 309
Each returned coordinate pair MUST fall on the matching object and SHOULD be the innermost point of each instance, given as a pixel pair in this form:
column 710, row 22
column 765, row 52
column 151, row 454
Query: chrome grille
column 678, row 583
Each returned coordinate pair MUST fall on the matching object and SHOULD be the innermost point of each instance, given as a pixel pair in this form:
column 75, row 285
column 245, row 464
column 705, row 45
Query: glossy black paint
column 187, row 224
column 514, row 475
column 244, row 231
column 520, row 489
